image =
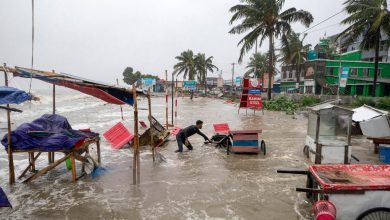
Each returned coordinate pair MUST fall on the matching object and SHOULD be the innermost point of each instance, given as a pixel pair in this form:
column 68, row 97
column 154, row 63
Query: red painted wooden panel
column 245, row 149
column 245, row 137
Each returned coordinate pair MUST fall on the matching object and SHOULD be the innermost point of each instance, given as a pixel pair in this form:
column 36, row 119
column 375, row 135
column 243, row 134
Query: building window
column 303, row 74
column 284, row 75
column 329, row 71
column 290, row 74
column 354, row 72
column 366, row 72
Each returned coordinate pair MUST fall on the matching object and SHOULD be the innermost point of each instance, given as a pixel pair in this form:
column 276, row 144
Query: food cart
column 347, row 191
column 328, row 138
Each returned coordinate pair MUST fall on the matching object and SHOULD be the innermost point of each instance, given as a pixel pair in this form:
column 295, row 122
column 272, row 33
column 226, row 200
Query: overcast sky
column 98, row 38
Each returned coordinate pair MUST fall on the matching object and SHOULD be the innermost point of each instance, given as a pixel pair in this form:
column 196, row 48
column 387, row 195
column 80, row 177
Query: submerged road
column 202, row 184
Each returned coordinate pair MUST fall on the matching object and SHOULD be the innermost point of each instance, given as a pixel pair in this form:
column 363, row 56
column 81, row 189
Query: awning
column 108, row 93
column 10, row 95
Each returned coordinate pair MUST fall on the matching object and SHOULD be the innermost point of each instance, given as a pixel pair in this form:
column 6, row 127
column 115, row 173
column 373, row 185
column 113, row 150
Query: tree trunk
column 298, row 75
column 373, row 92
column 271, row 64
column 205, row 83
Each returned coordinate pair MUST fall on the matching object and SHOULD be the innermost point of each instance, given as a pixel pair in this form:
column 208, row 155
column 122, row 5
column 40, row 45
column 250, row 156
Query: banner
column 344, row 77
column 255, row 101
column 266, row 80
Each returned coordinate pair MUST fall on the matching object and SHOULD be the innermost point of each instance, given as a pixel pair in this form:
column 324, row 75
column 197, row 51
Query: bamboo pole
column 117, row 83
column 166, row 98
column 150, row 125
column 9, row 149
column 136, row 162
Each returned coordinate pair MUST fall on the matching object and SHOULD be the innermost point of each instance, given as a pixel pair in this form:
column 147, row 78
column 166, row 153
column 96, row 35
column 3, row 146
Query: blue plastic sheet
column 54, row 133
column 9, row 95
column 4, row 200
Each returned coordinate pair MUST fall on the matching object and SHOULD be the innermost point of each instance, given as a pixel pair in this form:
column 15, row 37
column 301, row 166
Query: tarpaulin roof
column 10, row 95
column 108, row 93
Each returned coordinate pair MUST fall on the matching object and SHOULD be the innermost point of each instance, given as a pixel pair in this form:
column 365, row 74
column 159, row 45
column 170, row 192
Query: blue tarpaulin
column 47, row 133
column 3, row 199
column 9, row 95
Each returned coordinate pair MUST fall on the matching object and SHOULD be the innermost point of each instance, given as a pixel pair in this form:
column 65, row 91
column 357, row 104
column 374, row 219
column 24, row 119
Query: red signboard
column 255, row 101
column 254, row 83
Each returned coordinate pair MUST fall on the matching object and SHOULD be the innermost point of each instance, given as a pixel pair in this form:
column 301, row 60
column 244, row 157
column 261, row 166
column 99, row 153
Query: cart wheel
column 263, row 147
column 306, row 151
column 375, row 214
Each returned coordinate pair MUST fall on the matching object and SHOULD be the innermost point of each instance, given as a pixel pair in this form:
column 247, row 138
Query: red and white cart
column 347, row 191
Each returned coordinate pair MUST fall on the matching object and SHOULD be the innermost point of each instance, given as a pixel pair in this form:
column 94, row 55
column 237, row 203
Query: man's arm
column 201, row 134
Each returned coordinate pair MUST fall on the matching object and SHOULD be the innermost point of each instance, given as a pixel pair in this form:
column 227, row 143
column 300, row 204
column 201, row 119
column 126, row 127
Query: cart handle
column 303, row 172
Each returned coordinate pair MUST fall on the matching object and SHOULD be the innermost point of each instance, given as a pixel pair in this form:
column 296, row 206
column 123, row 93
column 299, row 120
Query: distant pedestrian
column 184, row 134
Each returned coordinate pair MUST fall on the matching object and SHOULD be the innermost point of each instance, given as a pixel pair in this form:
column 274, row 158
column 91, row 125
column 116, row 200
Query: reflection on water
column 203, row 184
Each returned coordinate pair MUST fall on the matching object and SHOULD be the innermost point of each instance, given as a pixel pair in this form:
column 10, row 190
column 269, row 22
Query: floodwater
column 202, row 184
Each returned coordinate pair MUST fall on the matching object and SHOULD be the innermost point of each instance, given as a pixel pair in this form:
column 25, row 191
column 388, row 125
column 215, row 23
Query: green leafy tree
column 293, row 51
column 203, row 65
column 129, row 77
column 264, row 19
column 367, row 18
column 186, row 65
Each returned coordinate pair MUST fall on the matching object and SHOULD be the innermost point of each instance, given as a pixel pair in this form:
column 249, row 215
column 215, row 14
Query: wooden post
column 117, row 83
column 9, row 149
column 151, row 125
column 172, row 93
column 166, row 98
column 318, row 154
column 349, row 130
column 50, row 155
column 136, row 163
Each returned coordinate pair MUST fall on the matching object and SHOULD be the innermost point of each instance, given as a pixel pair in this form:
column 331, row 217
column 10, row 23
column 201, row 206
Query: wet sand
column 202, row 184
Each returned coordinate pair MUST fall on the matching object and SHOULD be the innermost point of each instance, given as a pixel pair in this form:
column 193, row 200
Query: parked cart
column 347, row 191
column 239, row 141
column 328, row 138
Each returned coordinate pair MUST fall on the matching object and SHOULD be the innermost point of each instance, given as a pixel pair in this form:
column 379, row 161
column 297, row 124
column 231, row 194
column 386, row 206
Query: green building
column 321, row 76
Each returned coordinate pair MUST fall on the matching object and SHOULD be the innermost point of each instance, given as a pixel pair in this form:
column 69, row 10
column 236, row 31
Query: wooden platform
column 74, row 154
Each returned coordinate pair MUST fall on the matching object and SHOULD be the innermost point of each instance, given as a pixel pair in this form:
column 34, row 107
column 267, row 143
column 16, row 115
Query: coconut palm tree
column 264, row 19
column 369, row 19
column 293, row 51
column 257, row 66
column 186, row 65
column 204, row 65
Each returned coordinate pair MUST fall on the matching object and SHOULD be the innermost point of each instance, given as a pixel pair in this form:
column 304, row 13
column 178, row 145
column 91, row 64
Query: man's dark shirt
column 191, row 130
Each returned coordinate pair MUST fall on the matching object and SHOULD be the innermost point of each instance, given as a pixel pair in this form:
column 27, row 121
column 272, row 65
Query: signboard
column 148, row 82
column 255, row 101
column 254, row 91
column 190, row 85
column 254, row 83
column 238, row 81
column 344, row 77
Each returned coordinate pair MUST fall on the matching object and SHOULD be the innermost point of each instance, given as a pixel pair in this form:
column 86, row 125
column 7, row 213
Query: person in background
column 184, row 134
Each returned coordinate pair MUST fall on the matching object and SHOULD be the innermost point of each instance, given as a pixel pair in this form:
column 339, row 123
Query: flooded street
column 202, row 184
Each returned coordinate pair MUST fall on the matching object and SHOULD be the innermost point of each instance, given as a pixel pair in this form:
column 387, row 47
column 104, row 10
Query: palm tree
column 293, row 51
column 257, row 66
column 204, row 65
column 367, row 18
column 186, row 65
column 264, row 19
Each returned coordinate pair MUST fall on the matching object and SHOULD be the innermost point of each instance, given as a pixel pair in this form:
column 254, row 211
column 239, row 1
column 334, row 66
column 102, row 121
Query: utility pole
column 232, row 77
